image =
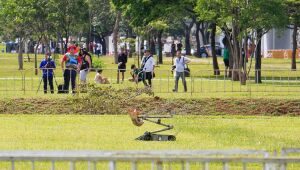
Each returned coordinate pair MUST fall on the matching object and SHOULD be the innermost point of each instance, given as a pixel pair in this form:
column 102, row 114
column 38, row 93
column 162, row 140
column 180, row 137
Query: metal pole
column 112, row 165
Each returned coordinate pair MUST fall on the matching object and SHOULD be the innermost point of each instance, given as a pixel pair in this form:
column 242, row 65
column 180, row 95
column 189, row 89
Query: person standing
column 72, row 62
column 47, row 66
column 179, row 66
column 122, row 60
column 98, row 49
column 226, row 58
column 147, row 67
column 86, row 65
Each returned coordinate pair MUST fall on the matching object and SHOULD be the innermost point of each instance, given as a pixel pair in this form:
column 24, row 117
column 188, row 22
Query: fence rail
column 185, row 159
column 200, row 81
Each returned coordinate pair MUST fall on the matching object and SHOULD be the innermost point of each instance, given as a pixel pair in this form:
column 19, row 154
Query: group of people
column 146, row 72
column 75, row 61
column 78, row 60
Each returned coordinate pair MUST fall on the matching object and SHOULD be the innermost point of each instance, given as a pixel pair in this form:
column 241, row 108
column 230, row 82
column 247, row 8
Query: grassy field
column 278, row 81
column 107, row 132
column 116, row 132
column 88, row 132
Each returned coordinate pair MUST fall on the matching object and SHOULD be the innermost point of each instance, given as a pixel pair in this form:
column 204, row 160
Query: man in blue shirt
column 47, row 66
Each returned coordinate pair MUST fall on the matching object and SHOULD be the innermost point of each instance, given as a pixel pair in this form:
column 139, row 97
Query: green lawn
column 89, row 132
column 116, row 132
column 276, row 84
column 75, row 132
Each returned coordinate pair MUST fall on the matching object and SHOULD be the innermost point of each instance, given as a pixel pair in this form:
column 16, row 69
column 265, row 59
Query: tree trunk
column 130, row 35
column 47, row 45
column 258, row 57
column 294, row 66
column 88, row 40
column 213, row 49
column 204, row 32
column 62, row 45
column 187, row 41
column 198, row 38
column 140, row 50
column 160, row 56
column 242, row 59
column 20, row 54
column 116, row 35
column 35, row 56
column 67, row 42
column 152, row 45
column 236, row 50
column 187, row 36
column 27, row 50
column 203, row 36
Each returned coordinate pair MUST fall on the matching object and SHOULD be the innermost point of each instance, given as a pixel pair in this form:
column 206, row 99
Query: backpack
column 187, row 72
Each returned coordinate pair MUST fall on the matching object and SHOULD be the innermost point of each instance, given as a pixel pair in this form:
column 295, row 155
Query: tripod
column 42, row 80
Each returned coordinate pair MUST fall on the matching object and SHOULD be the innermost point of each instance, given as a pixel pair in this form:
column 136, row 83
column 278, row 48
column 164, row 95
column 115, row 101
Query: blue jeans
column 177, row 76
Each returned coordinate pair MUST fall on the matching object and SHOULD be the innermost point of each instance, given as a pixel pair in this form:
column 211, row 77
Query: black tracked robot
column 138, row 120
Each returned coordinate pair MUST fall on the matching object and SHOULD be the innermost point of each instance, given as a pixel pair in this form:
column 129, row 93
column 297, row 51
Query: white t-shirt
column 149, row 65
column 180, row 63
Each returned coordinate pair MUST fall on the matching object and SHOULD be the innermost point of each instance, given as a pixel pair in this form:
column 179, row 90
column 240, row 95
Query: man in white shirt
column 147, row 65
column 180, row 64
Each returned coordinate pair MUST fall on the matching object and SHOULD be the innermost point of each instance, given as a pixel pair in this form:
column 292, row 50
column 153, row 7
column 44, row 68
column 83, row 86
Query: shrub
column 97, row 64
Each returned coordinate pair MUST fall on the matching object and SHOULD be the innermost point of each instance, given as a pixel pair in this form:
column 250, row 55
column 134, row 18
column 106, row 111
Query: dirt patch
column 152, row 105
column 109, row 101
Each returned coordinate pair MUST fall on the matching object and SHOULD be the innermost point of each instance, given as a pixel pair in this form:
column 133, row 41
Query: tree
column 116, row 35
column 44, row 25
column 16, row 18
column 158, row 27
column 69, row 16
column 102, row 20
column 293, row 7
column 142, row 13
column 240, row 18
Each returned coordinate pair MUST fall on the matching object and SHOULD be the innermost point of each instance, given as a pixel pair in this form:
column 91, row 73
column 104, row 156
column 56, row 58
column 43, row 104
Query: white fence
column 159, row 160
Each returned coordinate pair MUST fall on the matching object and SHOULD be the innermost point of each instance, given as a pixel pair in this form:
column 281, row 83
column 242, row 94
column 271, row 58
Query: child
column 99, row 79
column 136, row 74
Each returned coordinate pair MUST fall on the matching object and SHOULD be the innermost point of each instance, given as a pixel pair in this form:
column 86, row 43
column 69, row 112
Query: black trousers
column 69, row 75
column 148, row 76
column 47, row 79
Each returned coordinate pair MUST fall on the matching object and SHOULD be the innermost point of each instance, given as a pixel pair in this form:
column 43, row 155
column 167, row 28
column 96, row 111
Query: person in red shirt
column 70, row 64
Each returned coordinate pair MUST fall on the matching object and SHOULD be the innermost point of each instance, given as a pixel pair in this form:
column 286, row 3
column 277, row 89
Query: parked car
column 202, row 54
column 205, row 51
column 218, row 50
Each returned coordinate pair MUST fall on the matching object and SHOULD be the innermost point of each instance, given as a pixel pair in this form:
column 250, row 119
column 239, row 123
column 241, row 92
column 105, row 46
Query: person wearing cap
column 47, row 66
column 147, row 67
column 70, row 64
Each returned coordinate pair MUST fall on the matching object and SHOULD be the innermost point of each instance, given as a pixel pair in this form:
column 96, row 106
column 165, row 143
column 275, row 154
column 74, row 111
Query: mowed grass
column 276, row 84
column 116, row 132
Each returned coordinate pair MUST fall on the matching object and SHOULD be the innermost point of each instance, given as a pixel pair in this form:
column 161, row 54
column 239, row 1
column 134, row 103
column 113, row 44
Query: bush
column 97, row 64
column 107, row 100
